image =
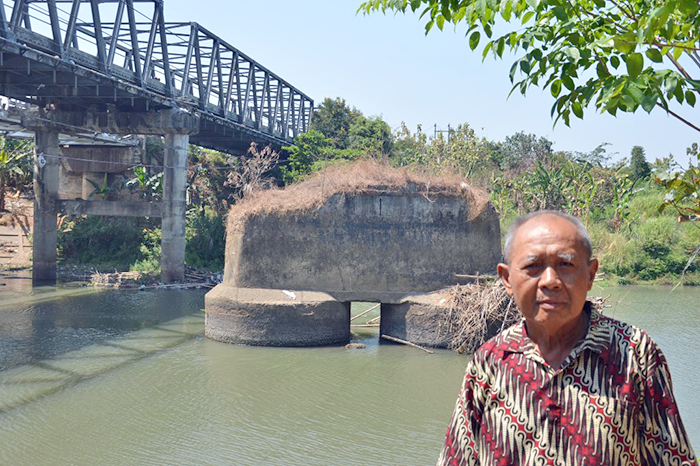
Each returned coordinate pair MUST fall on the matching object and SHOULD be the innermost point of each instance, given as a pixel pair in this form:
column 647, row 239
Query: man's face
column 549, row 273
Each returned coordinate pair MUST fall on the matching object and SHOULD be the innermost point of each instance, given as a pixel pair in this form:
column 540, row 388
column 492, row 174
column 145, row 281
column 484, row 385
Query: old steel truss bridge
column 109, row 55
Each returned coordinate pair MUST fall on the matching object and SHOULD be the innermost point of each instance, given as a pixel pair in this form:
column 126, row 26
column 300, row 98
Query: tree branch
column 675, row 115
column 685, row 74
column 629, row 14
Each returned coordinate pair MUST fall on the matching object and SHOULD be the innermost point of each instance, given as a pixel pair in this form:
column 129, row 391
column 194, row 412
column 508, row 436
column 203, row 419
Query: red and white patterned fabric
column 610, row 403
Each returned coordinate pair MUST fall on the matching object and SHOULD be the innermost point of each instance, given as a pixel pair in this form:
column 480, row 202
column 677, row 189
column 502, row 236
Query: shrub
column 206, row 239
column 103, row 241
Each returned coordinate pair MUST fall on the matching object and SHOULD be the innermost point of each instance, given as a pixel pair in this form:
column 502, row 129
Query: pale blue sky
column 386, row 66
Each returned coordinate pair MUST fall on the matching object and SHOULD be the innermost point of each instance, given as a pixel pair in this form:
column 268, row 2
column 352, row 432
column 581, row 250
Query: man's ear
column 504, row 273
column 592, row 269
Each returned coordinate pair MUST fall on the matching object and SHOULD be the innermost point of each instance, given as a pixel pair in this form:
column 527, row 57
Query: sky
column 384, row 65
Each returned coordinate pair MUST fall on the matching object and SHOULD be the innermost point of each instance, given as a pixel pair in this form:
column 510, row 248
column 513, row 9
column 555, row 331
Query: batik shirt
column 610, row 403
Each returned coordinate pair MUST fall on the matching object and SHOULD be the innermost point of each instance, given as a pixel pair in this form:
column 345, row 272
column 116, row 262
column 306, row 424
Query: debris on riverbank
column 125, row 280
column 480, row 310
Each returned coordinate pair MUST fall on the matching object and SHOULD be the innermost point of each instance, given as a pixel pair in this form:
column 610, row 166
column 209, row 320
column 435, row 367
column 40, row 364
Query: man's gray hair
column 515, row 226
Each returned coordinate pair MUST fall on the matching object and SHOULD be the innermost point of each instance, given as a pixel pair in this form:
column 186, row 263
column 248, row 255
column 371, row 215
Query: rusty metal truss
column 109, row 54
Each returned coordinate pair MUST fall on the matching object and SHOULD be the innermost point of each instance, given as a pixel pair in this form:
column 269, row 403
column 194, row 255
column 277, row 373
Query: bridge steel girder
column 88, row 59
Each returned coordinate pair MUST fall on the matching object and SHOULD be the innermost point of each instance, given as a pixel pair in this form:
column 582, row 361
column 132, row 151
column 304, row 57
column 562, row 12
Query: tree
column 334, row 118
column 252, row 172
column 371, row 136
column 598, row 157
column 619, row 55
column 15, row 165
column 524, row 150
column 638, row 163
column 309, row 148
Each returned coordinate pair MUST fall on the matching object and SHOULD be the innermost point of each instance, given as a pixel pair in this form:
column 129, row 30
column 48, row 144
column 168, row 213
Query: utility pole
column 448, row 131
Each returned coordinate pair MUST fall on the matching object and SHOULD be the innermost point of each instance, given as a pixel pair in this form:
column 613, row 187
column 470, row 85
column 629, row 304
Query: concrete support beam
column 45, row 234
column 154, row 122
column 172, row 263
column 420, row 319
column 111, row 208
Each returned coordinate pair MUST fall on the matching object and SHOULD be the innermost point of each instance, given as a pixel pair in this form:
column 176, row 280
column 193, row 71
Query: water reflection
column 125, row 378
column 44, row 324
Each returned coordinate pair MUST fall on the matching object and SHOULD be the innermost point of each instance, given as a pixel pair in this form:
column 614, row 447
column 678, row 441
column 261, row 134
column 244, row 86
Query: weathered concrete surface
column 175, row 124
column 380, row 236
column 275, row 317
column 418, row 319
column 158, row 122
column 100, row 158
column 369, row 247
column 45, row 234
column 172, row 262
column 111, row 208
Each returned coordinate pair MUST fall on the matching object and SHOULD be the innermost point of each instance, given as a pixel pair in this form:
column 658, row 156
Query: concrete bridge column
column 45, row 235
column 172, row 263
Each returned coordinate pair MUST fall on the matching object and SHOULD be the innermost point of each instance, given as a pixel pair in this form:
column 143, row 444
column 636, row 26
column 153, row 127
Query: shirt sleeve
column 460, row 448
column 665, row 441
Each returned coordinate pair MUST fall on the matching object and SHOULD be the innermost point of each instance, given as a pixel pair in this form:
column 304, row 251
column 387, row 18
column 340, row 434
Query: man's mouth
column 550, row 304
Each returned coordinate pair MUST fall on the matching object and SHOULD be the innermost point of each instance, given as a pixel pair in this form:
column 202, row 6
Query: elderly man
column 566, row 385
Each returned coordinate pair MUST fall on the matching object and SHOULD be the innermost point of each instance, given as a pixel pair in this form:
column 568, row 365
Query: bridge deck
column 75, row 58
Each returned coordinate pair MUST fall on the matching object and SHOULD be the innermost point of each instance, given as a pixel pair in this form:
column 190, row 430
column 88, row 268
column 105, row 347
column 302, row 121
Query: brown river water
column 90, row 377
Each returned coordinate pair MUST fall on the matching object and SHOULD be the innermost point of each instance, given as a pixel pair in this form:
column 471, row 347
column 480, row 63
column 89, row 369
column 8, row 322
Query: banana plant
column 683, row 189
column 10, row 165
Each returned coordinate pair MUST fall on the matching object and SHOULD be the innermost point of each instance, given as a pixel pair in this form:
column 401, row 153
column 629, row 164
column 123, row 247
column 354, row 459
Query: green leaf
column 474, row 40
column 573, row 53
column 615, row 61
column 629, row 103
column 636, row 93
column 625, row 43
column 678, row 94
column 602, row 70
column 655, row 55
column 507, row 11
column 500, row 46
column 440, row 20
column 635, row 62
column 486, row 50
column 525, row 66
column 677, row 52
column 556, row 88
column 568, row 82
column 671, row 84
column 533, row 3
column 690, row 97
column 560, row 13
column 527, row 16
column 649, row 102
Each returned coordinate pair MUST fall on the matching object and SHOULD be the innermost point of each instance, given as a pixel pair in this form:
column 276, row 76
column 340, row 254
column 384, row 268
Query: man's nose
column 550, row 278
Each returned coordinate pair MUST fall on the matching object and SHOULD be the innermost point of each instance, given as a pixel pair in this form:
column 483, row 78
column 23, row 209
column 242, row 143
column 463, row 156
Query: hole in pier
column 364, row 319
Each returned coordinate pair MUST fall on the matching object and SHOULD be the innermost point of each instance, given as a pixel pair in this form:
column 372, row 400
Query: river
column 126, row 377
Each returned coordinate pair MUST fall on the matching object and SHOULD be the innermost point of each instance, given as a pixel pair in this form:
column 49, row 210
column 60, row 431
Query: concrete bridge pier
column 175, row 125
column 172, row 263
column 45, row 235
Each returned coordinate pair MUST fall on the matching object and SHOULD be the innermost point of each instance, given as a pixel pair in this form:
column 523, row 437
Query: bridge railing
column 184, row 62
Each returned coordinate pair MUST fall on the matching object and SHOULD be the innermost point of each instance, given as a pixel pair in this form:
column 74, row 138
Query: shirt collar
column 597, row 339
